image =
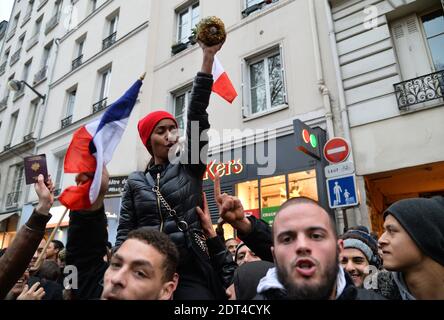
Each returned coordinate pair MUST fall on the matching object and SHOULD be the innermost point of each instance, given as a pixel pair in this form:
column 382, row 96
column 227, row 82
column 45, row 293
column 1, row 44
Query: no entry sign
column 336, row 150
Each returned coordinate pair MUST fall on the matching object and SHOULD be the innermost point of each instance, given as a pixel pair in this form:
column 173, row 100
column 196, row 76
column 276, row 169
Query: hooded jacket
column 270, row 288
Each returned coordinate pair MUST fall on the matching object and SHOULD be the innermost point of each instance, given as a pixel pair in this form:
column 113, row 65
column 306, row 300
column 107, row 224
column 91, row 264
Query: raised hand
column 205, row 218
column 208, row 56
column 32, row 293
column 230, row 208
column 45, row 193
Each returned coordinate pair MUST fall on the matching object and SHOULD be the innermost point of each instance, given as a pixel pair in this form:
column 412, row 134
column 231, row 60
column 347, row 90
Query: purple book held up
column 34, row 166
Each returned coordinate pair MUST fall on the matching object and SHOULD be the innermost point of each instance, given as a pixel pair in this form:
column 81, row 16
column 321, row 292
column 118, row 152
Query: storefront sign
column 253, row 212
column 339, row 169
column 116, row 185
column 268, row 214
column 232, row 167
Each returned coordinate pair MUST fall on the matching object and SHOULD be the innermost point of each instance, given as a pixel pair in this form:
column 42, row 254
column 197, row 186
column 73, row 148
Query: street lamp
column 16, row 85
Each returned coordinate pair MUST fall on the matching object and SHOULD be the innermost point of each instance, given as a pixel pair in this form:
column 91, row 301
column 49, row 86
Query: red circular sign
column 336, row 150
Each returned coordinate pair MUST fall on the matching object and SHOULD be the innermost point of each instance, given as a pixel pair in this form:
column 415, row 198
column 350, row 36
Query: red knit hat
column 146, row 125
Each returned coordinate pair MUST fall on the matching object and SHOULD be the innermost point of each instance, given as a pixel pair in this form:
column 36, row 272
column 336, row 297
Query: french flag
column 222, row 84
column 92, row 147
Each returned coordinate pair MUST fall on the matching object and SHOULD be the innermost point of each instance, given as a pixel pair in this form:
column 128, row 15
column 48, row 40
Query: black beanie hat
column 423, row 219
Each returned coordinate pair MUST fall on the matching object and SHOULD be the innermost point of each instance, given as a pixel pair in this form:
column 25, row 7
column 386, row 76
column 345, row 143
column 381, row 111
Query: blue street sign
column 342, row 192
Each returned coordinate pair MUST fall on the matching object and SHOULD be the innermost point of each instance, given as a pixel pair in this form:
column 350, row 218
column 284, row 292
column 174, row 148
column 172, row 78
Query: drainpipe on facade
column 360, row 212
column 319, row 70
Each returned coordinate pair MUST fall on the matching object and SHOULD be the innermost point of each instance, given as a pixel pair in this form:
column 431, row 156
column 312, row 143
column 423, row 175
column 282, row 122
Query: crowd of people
column 167, row 248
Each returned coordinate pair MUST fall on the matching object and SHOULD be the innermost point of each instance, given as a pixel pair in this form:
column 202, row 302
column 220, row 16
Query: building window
column 111, row 35
column 180, row 108
column 434, row 32
column 71, row 102
column 12, row 126
column 266, row 83
column 59, row 174
column 15, row 192
column 78, row 55
column 105, row 81
column 46, row 54
column 92, row 6
column 187, row 20
column 255, row 5
column 31, row 118
column 26, row 69
column 262, row 198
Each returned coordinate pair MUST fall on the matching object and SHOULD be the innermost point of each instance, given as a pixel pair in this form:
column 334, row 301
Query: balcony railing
column 255, row 7
column 39, row 76
column 100, row 105
column 27, row 17
column 29, row 136
column 52, row 23
column 2, row 68
column 12, row 199
column 11, row 33
column 108, row 42
column 15, row 57
column 7, row 147
column 66, row 122
column 77, row 62
column 419, row 90
column 33, row 41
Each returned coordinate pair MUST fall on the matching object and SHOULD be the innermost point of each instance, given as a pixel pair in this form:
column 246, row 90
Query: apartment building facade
column 82, row 55
column 391, row 56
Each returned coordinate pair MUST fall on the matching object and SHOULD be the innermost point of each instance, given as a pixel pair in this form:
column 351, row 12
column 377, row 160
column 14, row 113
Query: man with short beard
column 305, row 250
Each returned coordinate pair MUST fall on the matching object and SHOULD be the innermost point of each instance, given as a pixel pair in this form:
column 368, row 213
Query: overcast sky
column 5, row 9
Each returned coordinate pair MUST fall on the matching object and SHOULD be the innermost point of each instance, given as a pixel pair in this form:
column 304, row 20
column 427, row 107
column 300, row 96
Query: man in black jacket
column 143, row 268
column 304, row 247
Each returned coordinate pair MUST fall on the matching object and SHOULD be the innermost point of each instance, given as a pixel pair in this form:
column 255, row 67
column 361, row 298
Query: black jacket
column 85, row 249
column 180, row 184
column 259, row 239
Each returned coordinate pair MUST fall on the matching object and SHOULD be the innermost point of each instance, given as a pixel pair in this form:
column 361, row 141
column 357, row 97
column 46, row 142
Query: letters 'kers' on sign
column 336, row 150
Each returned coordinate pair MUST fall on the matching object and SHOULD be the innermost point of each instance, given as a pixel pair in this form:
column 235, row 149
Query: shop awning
column 6, row 216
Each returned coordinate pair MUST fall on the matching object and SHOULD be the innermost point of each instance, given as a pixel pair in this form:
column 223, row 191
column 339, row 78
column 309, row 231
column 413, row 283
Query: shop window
column 303, row 184
column 248, row 193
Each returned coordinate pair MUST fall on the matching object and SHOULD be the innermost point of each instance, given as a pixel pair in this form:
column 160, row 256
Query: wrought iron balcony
column 255, row 7
column 419, row 90
column 39, row 76
column 100, row 105
column 11, row 33
column 27, row 17
column 52, row 23
column 12, row 199
column 108, row 42
column 77, row 62
column 66, row 122
column 29, row 136
column 2, row 68
column 15, row 57
column 7, row 147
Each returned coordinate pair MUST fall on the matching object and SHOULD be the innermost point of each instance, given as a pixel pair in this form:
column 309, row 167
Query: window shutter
column 410, row 46
column 281, row 51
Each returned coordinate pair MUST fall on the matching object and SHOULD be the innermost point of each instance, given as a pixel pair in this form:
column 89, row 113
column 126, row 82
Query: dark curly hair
column 162, row 243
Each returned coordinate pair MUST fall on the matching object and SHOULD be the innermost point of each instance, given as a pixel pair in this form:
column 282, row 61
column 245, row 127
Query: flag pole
column 51, row 237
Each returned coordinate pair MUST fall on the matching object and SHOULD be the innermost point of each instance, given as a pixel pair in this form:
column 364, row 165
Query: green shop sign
column 268, row 214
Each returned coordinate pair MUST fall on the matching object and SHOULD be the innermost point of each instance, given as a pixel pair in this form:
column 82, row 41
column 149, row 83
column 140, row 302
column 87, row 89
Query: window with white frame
column 105, row 81
column 38, row 26
column 113, row 24
column 17, row 182
column 26, row 69
column 181, row 100
column 32, row 117
column 80, row 44
column 266, row 83
column 59, row 173
column 46, row 54
column 419, row 43
column 92, row 5
column 12, row 126
column 187, row 19
column 57, row 8
column 70, row 103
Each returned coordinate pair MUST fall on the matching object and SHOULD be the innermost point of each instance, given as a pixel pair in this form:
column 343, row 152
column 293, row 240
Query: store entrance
column 385, row 188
